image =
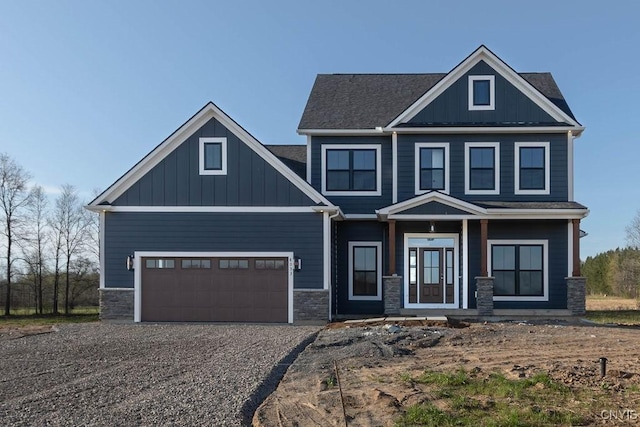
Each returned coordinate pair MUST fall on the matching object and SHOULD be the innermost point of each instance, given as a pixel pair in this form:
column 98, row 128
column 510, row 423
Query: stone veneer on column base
column 576, row 295
column 484, row 298
column 116, row 304
column 392, row 294
column 310, row 305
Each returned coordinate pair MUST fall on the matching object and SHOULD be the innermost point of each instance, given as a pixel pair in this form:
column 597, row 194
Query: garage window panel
column 269, row 264
column 160, row 263
column 196, row 263
column 233, row 264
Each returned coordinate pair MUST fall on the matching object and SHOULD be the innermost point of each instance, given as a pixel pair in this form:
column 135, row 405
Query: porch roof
column 435, row 205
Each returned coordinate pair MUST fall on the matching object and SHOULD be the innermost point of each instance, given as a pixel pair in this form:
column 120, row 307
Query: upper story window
column 519, row 269
column 213, row 156
column 532, row 175
column 482, row 93
column 351, row 170
column 432, row 167
column 482, row 167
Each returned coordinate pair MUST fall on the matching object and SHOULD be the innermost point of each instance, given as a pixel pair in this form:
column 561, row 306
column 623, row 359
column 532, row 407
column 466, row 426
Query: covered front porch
column 438, row 252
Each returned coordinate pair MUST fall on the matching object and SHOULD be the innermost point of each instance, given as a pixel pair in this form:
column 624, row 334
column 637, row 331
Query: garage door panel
column 231, row 294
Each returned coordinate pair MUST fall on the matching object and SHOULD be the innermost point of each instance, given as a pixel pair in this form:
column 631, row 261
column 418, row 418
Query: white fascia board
column 577, row 130
column 211, row 209
column 484, row 54
column 208, row 112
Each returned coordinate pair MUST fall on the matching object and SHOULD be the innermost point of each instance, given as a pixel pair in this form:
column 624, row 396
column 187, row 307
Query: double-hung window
column 482, row 93
column 351, row 170
column 213, row 156
column 482, row 168
column 432, row 167
column 519, row 269
column 365, row 270
column 532, row 168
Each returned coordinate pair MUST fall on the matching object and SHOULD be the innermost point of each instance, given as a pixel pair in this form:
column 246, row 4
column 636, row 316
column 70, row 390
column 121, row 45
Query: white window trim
column 378, row 296
column 447, row 167
column 545, row 268
column 223, row 143
column 467, row 167
column 492, row 93
column 547, row 169
column 377, row 147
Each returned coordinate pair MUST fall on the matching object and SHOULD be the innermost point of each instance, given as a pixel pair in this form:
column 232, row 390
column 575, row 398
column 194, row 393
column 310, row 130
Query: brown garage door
column 233, row 289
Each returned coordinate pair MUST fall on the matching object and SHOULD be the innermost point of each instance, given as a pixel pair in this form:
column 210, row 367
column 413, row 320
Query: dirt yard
column 371, row 364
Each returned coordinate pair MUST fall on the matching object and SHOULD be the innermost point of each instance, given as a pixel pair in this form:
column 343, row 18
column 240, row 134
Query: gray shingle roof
column 293, row 156
column 531, row 205
column 365, row 101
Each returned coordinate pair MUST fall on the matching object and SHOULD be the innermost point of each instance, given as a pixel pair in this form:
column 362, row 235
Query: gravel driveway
column 109, row 374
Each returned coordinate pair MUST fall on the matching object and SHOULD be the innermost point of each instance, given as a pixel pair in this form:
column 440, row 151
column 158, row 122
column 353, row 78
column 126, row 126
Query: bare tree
column 14, row 196
column 35, row 244
column 70, row 226
column 633, row 232
column 84, row 280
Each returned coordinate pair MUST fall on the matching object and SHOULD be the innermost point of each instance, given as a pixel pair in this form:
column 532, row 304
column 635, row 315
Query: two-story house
column 448, row 193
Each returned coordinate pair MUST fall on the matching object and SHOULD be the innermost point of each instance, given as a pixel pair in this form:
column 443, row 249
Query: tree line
column 49, row 251
column 616, row 272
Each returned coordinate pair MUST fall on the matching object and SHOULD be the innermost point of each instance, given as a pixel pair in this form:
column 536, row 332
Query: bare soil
column 365, row 369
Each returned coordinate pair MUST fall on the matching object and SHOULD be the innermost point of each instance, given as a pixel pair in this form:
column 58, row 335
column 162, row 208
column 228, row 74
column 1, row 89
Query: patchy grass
column 23, row 318
column 464, row 399
column 618, row 317
column 613, row 310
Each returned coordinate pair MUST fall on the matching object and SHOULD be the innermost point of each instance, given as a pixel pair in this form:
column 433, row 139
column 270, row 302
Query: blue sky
column 87, row 88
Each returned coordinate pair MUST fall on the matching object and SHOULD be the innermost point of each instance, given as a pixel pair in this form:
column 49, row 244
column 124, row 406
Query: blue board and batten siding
column 355, row 204
column 511, row 105
column 127, row 232
column 250, row 180
column 558, row 165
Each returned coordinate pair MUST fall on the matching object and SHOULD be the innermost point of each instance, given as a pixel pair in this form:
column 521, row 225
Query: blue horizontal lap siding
column 300, row 233
column 555, row 231
column 558, row 165
column 355, row 204
column 511, row 105
column 356, row 231
column 250, row 180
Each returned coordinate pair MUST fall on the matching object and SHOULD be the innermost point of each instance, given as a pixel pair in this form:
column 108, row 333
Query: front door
column 431, row 266
column 432, row 278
